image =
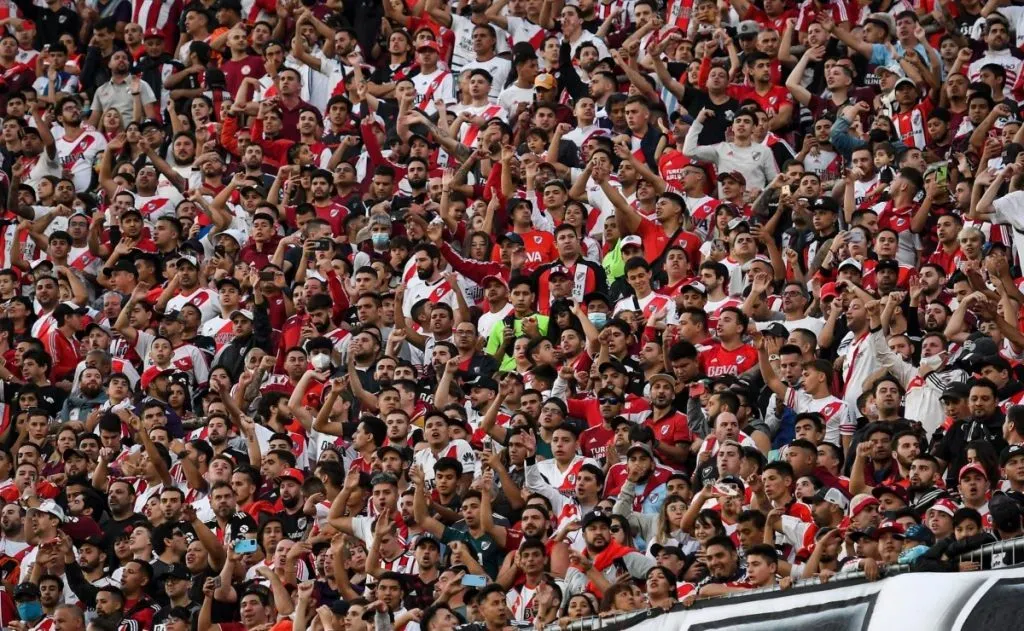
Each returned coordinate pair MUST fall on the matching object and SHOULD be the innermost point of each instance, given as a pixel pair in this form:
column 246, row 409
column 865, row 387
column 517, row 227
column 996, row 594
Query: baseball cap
column 615, row 365
column 760, row 258
column 483, row 381
column 696, row 286
column 153, row 32
column 828, row 290
column 631, row 240
column 131, row 211
column 245, row 313
column 494, row 277
column 860, row 504
column 832, row 496
column 734, row 175
column 851, row 262
column 179, row 571
column 945, row 505
column 429, row 45
column 956, row 392
column 293, row 473
column 891, row 264
column 905, row 81
column 558, row 270
column 898, row 491
column 26, row 591
column 52, row 508
column 188, row 258
column 150, row 122
column 825, row 204
column 644, row 447
column 973, row 466
column 620, row 420
column 891, row 527
column 1010, row 452
column 748, row 28
column 597, row 516
column 149, row 377
column 513, row 237
column 884, row 20
column 546, row 81
column 662, row 377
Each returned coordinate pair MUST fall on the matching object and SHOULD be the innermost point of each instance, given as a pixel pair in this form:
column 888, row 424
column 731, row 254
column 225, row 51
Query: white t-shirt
column 77, row 156
column 498, row 67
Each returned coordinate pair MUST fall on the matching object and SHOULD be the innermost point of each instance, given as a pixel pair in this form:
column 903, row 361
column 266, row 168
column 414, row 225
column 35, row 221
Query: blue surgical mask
column 380, row 239
column 598, row 319
column 31, row 610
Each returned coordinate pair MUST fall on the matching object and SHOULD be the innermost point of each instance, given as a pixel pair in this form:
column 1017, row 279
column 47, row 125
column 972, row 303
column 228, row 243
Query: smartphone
column 509, row 321
column 245, row 546
column 266, row 275
column 942, row 174
column 322, row 245
column 856, row 236
column 216, row 582
column 474, row 580
column 219, row 250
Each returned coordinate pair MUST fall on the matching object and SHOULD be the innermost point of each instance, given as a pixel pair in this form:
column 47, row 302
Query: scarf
column 604, row 559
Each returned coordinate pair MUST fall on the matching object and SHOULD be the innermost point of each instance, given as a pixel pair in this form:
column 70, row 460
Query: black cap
column 892, row 264
column 229, row 280
column 179, row 571
column 149, row 122
column 26, row 591
column 71, row 452
column 131, row 211
column 171, row 315
column 597, row 295
column 956, row 391
column 513, row 237
column 734, row 480
column 429, row 540
column 995, row 361
column 825, row 203
column 597, row 516
column 776, row 329
column 339, row 607
column 1010, row 452
column 124, row 265
column 657, row 549
column 613, row 364
column 64, row 309
column 483, row 381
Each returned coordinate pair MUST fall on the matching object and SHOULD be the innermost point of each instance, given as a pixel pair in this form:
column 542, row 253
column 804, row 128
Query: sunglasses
column 608, row 400
column 616, row 528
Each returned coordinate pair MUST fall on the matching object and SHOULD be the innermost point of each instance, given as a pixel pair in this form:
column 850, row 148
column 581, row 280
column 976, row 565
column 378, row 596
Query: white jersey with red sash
column 77, row 157
column 83, row 260
column 563, row 481
column 678, row 13
column 468, row 134
column 439, row 291
column 206, row 300
column 522, row 602
column 153, row 207
column 649, row 305
column 438, row 85
column 702, row 212
column 457, row 449
column 11, row 238
column 43, row 325
column 220, row 329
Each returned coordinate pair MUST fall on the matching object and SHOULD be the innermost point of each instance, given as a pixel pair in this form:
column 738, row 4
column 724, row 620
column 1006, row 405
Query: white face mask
column 320, row 361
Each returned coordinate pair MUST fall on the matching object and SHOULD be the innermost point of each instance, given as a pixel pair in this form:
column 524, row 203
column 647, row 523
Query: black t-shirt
column 239, row 525
column 112, row 528
column 714, row 127
column 295, row 525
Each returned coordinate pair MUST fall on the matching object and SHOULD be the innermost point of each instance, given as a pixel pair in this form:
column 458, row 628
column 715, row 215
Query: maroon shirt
column 236, row 71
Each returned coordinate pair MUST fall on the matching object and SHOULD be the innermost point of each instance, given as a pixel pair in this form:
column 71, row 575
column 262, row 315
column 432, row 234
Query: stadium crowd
column 350, row 314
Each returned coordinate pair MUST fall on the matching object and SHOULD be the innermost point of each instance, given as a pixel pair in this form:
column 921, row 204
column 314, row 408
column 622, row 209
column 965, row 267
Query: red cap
column 890, row 526
column 153, row 32
column 855, row 509
column 429, row 45
column 490, row 277
column 828, row 290
column 974, row 466
column 945, row 505
column 28, row 25
column 292, row 473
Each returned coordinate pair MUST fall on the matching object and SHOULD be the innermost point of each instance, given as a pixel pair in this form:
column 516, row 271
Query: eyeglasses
column 616, row 528
column 608, row 400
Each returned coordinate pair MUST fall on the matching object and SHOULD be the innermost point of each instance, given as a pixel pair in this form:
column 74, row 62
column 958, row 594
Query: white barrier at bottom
column 969, row 601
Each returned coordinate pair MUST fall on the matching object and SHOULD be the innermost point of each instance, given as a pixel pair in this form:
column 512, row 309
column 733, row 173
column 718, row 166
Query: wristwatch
column 773, row 358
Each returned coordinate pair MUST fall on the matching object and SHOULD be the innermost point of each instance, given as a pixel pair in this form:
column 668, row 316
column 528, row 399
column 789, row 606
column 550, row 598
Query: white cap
column 245, row 313
column 851, row 261
column 632, row 240
column 51, row 507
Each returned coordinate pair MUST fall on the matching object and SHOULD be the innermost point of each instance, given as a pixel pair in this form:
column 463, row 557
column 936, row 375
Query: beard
column 417, row 183
column 90, row 390
column 321, row 327
column 289, row 502
column 11, row 530
column 217, row 439
column 425, row 274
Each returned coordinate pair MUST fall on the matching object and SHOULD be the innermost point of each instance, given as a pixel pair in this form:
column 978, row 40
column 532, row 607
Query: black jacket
column 232, row 355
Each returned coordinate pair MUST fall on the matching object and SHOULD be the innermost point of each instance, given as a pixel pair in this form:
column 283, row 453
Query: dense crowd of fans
column 320, row 315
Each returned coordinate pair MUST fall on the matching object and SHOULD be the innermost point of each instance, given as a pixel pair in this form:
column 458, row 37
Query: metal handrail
column 995, row 553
